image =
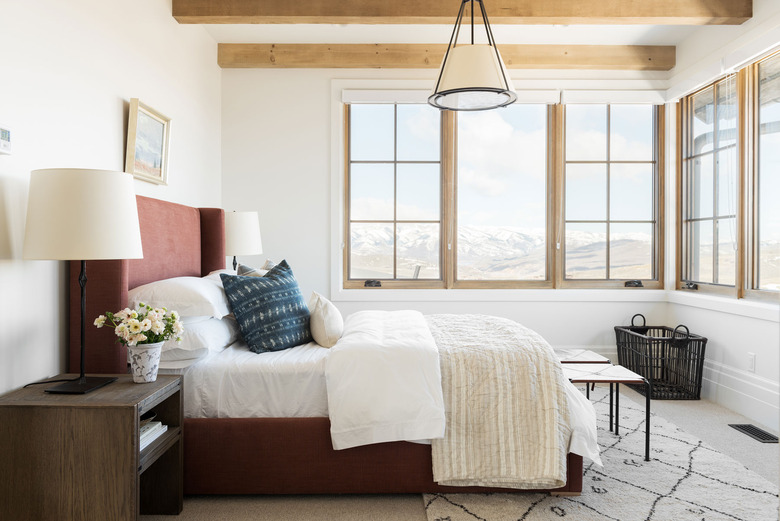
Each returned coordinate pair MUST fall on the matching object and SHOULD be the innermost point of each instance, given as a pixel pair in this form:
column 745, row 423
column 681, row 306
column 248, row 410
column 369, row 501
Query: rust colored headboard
column 178, row 241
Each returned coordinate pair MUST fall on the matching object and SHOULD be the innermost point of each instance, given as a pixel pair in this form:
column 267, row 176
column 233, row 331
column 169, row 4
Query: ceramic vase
column 144, row 361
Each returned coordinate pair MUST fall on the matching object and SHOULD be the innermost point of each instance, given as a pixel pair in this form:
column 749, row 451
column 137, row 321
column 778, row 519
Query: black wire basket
column 670, row 359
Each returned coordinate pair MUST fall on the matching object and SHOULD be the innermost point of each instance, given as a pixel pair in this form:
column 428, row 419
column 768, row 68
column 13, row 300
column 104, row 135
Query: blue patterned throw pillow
column 270, row 310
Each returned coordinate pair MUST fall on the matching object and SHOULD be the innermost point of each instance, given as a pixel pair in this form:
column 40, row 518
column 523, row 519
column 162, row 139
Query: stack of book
column 149, row 432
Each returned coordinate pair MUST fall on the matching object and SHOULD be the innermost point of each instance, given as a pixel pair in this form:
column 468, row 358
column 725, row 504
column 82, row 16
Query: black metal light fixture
column 472, row 76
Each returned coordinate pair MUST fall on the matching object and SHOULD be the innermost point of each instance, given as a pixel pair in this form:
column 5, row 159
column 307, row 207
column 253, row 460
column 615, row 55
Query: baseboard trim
column 746, row 393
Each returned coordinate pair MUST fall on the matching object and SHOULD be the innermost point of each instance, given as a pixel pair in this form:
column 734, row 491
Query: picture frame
column 148, row 133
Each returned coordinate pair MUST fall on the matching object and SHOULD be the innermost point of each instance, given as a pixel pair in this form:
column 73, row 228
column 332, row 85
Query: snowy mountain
column 488, row 252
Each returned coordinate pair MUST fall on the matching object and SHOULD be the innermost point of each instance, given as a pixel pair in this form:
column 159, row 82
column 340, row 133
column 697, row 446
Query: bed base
column 295, row 456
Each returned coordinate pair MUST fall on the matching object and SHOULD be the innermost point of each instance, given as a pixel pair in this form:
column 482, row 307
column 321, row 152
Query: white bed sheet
column 237, row 383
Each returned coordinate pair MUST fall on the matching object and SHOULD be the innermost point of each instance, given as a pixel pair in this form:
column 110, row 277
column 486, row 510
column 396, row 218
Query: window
column 610, row 193
column 473, row 199
column 709, row 191
column 730, row 153
column 502, row 184
column 767, row 178
column 394, row 192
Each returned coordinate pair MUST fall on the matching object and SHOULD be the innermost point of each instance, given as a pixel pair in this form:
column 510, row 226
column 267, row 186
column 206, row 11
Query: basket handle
column 644, row 322
column 687, row 332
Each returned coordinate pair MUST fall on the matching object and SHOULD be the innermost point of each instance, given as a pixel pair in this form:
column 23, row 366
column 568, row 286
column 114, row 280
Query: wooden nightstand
column 76, row 457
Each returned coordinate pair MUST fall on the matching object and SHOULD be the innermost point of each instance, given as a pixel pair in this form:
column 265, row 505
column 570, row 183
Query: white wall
column 67, row 72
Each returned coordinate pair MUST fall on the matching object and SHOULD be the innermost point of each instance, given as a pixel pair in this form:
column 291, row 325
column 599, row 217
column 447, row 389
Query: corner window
column 709, row 187
column 767, row 178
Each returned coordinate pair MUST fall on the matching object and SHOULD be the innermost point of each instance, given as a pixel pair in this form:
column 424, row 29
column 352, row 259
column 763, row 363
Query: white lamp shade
column 473, row 77
column 242, row 234
column 75, row 214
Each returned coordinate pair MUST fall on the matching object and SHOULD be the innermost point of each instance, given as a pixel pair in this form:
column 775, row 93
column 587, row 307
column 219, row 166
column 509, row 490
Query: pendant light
column 472, row 76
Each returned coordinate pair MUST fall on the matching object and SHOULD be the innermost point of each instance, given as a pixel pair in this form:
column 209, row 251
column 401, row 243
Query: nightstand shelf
column 77, row 457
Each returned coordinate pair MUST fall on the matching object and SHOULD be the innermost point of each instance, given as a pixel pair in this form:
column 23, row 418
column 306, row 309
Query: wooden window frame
column 555, row 218
column 395, row 283
column 658, row 161
column 751, row 131
column 747, row 187
column 683, row 181
column 547, row 282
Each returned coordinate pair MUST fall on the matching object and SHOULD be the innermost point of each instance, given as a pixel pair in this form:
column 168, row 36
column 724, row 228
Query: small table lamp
column 75, row 214
column 242, row 234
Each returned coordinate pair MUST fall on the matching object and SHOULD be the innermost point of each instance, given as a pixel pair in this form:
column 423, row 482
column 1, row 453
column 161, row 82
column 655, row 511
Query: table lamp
column 76, row 214
column 242, row 234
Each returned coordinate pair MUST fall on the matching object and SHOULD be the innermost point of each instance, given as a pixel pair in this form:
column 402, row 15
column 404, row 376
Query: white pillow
column 188, row 296
column 326, row 323
column 200, row 337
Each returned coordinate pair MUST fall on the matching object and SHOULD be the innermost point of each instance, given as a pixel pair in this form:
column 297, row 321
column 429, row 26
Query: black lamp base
column 82, row 385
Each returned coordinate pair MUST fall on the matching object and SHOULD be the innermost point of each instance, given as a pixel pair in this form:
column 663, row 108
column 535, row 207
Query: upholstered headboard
column 177, row 241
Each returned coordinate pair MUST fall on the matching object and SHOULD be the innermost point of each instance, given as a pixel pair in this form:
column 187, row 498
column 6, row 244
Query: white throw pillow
column 188, row 296
column 200, row 336
column 326, row 323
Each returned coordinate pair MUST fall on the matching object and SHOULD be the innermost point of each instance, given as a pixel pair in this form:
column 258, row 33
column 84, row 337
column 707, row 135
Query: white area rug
column 685, row 480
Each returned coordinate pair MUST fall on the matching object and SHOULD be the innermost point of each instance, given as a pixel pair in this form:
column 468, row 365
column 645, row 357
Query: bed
column 245, row 455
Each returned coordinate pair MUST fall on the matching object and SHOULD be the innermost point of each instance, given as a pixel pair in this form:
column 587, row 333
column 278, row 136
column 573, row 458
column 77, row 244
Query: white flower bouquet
column 145, row 325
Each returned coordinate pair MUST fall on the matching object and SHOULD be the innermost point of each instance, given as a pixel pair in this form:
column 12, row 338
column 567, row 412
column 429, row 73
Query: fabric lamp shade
column 473, row 78
column 242, row 234
column 472, row 75
column 76, row 214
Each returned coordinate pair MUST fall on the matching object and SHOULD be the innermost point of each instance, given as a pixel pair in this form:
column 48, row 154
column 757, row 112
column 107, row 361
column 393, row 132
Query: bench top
column 596, row 373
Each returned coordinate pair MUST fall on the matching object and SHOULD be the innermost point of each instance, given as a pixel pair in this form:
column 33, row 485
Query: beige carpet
column 402, row 507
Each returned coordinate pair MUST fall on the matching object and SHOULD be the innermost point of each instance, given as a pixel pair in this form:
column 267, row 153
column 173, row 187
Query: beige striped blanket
column 506, row 408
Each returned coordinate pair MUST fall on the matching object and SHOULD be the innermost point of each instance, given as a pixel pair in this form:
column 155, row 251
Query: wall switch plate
column 752, row 362
column 5, row 141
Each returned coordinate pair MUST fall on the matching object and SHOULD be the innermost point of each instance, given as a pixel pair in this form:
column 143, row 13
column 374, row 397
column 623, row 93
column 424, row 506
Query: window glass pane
column 418, row 133
column 371, row 192
column 727, row 112
column 703, row 122
column 727, row 250
column 769, row 175
column 418, row 251
column 631, row 132
column 586, row 192
column 418, row 192
column 727, row 182
column 586, row 132
column 502, row 194
column 586, row 251
column 372, row 129
column 371, row 248
column 702, row 187
column 700, row 251
column 631, row 251
column 631, row 192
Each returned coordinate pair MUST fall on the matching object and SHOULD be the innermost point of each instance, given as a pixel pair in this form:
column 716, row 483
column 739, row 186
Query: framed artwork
column 147, row 143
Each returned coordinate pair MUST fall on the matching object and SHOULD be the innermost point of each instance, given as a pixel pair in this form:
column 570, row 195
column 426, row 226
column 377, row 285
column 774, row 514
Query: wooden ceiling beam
column 424, row 56
column 659, row 12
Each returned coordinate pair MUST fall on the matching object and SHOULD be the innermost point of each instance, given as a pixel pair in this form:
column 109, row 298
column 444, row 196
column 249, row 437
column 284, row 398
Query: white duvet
column 384, row 381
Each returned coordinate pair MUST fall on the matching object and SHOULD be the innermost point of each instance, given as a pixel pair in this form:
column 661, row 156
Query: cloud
column 491, row 151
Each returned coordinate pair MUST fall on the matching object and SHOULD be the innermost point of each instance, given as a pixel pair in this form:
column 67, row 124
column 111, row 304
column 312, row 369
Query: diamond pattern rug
column 685, row 480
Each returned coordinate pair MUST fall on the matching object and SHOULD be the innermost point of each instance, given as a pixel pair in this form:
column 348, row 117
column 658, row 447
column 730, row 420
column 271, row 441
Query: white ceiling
column 396, row 33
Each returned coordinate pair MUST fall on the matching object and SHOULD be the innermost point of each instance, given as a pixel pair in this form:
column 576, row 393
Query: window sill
column 747, row 308
column 499, row 295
